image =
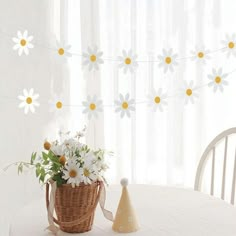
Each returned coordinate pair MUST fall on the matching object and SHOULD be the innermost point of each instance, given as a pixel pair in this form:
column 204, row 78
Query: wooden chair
column 210, row 155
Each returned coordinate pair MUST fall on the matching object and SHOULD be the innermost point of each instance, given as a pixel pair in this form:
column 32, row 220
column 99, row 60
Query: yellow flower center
column 125, row 105
column 200, row 54
column 73, row 173
column 168, row 60
column 93, row 58
column 92, row 106
column 61, row 51
column 189, row 92
column 231, row 45
column 128, row 61
column 59, row 105
column 157, row 100
column 62, row 160
column 217, row 79
column 23, row 42
column 47, row 145
column 86, row 172
column 29, row 100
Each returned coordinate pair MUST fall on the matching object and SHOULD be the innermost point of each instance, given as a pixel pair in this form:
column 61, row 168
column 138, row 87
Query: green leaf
column 45, row 156
column 38, row 171
column 46, row 162
column 20, row 168
column 33, row 156
column 58, row 179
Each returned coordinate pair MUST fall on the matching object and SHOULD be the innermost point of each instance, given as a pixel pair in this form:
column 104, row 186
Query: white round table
column 162, row 211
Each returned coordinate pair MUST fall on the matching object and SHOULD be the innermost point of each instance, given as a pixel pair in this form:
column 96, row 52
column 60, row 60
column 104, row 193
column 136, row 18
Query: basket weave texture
column 75, row 207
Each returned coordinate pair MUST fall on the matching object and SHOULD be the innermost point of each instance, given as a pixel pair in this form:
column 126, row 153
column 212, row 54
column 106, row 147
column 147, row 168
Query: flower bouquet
column 76, row 175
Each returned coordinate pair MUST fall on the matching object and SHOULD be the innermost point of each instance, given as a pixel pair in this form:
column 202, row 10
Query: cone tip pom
column 124, row 182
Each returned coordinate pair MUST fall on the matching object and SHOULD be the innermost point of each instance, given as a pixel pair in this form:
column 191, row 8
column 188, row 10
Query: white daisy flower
column 157, row 100
column 92, row 106
column 89, row 168
column 63, row 50
column 56, row 103
column 72, row 173
column 58, row 150
column 230, row 44
column 217, row 80
column 200, row 54
column 124, row 105
column 167, row 60
column 128, row 61
column 92, row 58
column 190, row 92
column 28, row 100
column 88, row 174
column 23, row 43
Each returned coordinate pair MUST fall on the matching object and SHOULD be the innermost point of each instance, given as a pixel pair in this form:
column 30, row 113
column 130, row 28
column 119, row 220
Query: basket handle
column 84, row 217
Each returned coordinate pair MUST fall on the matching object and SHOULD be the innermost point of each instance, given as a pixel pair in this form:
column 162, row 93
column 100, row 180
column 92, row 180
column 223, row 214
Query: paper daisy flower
column 92, row 106
column 200, row 54
column 56, row 103
column 230, row 44
column 128, row 61
column 23, row 43
column 167, row 60
column 92, row 58
column 28, row 100
column 124, row 105
column 190, row 92
column 217, row 80
column 157, row 100
column 63, row 49
column 72, row 173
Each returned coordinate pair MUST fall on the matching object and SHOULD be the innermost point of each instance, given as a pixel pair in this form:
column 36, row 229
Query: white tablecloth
column 162, row 211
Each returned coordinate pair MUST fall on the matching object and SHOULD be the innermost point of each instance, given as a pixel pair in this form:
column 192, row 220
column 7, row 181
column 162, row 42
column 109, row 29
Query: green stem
column 15, row 163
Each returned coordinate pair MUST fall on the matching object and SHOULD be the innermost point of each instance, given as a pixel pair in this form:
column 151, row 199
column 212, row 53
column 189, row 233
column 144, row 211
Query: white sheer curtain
column 162, row 147
column 22, row 134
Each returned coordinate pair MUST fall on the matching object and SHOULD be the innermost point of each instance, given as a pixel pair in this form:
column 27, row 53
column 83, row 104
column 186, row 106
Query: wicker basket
column 75, row 207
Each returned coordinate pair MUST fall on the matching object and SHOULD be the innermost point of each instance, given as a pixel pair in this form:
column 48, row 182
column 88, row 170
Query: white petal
column 22, row 104
column 32, row 109
column 122, row 113
column 15, row 47
column 25, row 92
column 31, row 91
column 220, row 71
column 90, row 66
column 20, row 51
column 21, row 97
column 127, row 112
column 35, row 96
column 121, row 97
column 30, row 38
column 125, row 69
column 30, row 45
column 25, row 34
column 127, row 97
column 36, row 103
column 26, row 109
column 19, row 34
column 26, row 50
column 16, row 40
column 215, row 88
column 124, row 53
column 118, row 109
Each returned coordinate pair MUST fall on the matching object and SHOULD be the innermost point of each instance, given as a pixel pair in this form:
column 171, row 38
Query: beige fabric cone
column 125, row 219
